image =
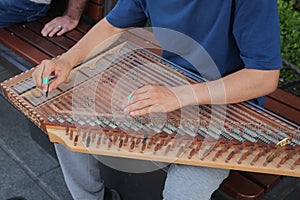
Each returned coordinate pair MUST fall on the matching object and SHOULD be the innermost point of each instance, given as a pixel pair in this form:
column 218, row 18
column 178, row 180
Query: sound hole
column 37, row 93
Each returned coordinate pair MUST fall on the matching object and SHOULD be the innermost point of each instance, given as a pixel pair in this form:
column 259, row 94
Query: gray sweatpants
column 82, row 176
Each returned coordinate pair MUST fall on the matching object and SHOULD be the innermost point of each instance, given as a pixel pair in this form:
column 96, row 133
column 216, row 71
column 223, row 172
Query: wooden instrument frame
column 238, row 153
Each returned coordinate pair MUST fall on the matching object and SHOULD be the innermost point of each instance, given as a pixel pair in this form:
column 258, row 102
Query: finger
column 131, row 99
column 50, row 26
column 47, row 29
column 143, row 89
column 147, row 110
column 48, row 70
column 54, row 31
column 37, row 75
column 141, row 112
column 56, row 82
column 33, row 79
column 138, row 105
column 62, row 31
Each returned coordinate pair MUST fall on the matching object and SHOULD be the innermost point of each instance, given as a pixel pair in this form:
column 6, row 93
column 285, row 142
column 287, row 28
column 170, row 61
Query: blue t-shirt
column 235, row 34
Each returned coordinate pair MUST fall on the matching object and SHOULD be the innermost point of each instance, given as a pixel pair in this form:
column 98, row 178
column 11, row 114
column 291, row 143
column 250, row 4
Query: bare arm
column 102, row 33
column 240, row 86
column 67, row 22
column 75, row 9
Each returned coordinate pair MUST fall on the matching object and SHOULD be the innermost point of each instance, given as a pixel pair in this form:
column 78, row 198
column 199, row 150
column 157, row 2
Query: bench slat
column 286, row 98
column 36, row 40
column 83, row 27
column 283, row 110
column 74, row 34
column 61, row 41
column 25, row 50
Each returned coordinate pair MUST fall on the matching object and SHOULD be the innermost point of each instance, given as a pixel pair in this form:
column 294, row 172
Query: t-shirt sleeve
column 257, row 33
column 127, row 13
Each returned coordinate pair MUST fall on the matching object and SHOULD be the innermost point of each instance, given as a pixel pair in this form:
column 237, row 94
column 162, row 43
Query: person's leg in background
column 82, row 174
column 192, row 183
column 17, row 11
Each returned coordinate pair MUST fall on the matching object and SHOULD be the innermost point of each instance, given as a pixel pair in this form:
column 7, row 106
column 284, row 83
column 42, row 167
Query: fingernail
column 131, row 113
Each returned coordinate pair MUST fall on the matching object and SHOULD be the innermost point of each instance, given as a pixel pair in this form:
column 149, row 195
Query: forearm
column 75, row 8
column 102, row 33
column 240, row 86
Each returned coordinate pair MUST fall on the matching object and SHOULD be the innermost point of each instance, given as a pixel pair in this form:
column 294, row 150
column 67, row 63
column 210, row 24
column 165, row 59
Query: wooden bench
column 245, row 185
column 26, row 41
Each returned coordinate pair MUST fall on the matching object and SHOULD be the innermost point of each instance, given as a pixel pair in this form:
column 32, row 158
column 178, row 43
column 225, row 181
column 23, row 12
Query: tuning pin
column 180, row 151
column 143, row 147
column 120, row 144
column 76, row 140
column 99, row 140
column 88, row 141
column 192, row 153
column 168, row 149
column 297, row 162
column 132, row 146
column 67, row 130
column 71, row 134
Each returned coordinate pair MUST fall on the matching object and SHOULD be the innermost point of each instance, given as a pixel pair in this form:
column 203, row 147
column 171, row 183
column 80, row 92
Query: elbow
column 271, row 89
column 272, row 83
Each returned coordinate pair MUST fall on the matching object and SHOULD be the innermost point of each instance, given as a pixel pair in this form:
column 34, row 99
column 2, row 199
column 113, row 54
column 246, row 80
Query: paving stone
column 16, row 136
column 287, row 189
column 26, row 168
column 7, row 70
column 15, row 182
column 54, row 181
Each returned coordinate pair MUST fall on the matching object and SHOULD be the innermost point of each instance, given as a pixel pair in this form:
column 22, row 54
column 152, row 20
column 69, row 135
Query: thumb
column 56, row 82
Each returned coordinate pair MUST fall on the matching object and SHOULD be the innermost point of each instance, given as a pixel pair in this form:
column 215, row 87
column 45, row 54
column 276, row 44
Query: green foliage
column 290, row 36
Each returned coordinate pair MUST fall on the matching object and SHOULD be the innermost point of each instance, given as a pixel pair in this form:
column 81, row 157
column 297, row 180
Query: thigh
column 193, row 183
column 16, row 11
column 8, row 3
column 81, row 173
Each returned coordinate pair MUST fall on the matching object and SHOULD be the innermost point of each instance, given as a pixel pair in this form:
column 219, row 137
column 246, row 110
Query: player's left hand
column 155, row 98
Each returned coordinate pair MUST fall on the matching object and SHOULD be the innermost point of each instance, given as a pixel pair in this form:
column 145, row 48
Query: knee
column 190, row 182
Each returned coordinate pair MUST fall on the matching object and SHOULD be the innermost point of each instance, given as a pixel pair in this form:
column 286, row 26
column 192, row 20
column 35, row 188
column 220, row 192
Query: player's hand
column 59, row 26
column 55, row 67
column 153, row 98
